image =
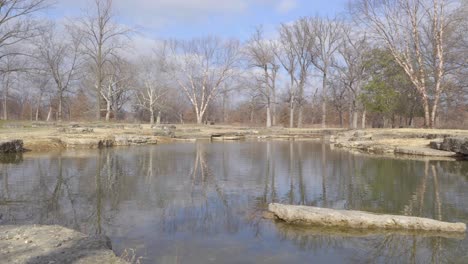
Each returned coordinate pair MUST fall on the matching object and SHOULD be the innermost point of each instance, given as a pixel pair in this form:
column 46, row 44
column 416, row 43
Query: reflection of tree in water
column 198, row 190
column 204, row 211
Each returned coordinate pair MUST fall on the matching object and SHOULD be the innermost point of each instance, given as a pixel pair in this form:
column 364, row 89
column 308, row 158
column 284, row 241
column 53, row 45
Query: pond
column 203, row 202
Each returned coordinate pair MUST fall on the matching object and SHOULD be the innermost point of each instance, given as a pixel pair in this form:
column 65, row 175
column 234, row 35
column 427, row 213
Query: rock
column 268, row 215
column 424, row 151
column 164, row 133
column 455, row 144
column 11, row 146
column 41, row 246
column 435, row 145
column 128, row 140
column 87, row 143
column 359, row 220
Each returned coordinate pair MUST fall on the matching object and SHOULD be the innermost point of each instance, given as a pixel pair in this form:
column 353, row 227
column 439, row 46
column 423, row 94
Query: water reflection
column 199, row 203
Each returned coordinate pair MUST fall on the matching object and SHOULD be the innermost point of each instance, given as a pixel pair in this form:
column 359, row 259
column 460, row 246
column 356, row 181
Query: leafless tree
column 352, row 69
column 294, row 53
column 414, row 32
column 201, row 67
column 59, row 54
column 327, row 33
column 261, row 55
column 17, row 24
column 116, row 85
column 102, row 38
column 154, row 84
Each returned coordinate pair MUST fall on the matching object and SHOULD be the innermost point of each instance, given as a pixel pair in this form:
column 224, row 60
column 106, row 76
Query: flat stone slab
column 53, row 244
column 359, row 220
column 424, row 151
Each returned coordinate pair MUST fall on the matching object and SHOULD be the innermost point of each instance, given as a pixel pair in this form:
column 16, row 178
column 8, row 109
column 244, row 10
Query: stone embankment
column 53, row 244
column 430, row 143
column 307, row 215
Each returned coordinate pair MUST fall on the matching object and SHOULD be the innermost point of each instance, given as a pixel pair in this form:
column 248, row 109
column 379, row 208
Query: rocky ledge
column 53, row 244
column 458, row 145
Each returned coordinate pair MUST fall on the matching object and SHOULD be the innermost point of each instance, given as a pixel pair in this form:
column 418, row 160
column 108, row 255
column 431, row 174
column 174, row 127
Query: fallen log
column 358, row 220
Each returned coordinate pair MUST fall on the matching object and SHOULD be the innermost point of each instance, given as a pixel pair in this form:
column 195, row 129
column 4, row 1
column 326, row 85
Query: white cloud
column 154, row 14
column 285, row 6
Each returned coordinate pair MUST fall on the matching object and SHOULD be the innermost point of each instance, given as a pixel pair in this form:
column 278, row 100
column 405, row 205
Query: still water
column 203, row 202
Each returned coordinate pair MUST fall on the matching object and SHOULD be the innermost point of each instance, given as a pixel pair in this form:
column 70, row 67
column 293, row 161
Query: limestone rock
column 424, row 151
column 455, row 144
column 53, row 244
column 359, row 220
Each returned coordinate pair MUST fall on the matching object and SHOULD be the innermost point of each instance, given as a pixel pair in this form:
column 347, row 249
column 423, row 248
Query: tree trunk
column 324, row 100
column 355, row 119
column 151, row 116
column 427, row 115
column 5, row 106
column 158, row 118
column 291, row 116
column 268, row 118
column 300, row 116
column 364, row 116
column 38, row 106
column 341, row 118
column 59, row 112
column 49, row 115
column 108, row 110
column 199, row 119
column 273, row 109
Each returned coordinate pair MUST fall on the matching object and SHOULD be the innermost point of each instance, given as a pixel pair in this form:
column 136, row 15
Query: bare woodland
column 385, row 63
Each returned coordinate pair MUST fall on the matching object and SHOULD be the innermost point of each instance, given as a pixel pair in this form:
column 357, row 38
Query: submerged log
column 359, row 220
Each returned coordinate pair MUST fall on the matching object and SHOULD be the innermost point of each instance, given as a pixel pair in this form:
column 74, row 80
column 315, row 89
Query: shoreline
column 47, row 137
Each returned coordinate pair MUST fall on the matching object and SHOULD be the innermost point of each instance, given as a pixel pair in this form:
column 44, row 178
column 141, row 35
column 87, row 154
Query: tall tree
column 296, row 57
column 352, row 69
column 201, row 67
column 261, row 55
column 153, row 84
column 414, row 32
column 16, row 25
column 102, row 38
column 327, row 33
column 59, row 55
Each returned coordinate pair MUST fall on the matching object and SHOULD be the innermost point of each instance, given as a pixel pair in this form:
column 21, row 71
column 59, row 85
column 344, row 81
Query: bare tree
column 102, row 39
column 59, row 54
column 414, row 32
column 41, row 84
column 261, row 55
column 201, row 67
column 17, row 24
column 327, row 34
column 153, row 85
column 295, row 55
column 352, row 69
column 116, row 85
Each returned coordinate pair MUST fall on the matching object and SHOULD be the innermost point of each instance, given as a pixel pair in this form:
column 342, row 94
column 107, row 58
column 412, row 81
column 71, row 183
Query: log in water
column 359, row 220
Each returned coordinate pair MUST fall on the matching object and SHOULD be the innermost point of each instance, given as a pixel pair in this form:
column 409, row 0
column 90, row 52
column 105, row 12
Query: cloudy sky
column 189, row 18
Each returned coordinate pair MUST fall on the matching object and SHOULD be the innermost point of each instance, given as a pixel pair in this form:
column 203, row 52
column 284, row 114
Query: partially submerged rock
column 359, row 220
column 424, row 151
column 53, row 244
column 455, row 144
column 11, row 146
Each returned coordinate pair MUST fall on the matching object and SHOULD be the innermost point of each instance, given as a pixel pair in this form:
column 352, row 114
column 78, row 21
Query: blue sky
column 192, row 18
